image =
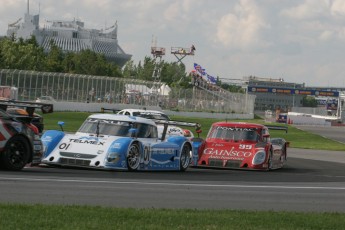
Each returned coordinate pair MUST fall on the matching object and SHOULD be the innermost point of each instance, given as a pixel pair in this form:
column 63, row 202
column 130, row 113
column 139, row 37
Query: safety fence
column 101, row 89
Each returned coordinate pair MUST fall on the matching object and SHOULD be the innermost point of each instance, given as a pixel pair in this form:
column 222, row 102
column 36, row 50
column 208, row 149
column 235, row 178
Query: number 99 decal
column 245, row 146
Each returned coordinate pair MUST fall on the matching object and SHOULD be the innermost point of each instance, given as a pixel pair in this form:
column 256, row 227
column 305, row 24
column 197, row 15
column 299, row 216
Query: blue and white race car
column 112, row 141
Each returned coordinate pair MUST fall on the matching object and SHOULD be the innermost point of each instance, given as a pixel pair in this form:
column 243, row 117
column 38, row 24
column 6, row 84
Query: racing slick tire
column 16, row 154
column 133, row 157
column 270, row 161
column 185, row 157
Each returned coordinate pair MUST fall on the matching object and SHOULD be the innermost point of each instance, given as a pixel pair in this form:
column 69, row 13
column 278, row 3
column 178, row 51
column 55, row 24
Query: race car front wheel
column 133, row 158
column 270, row 160
column 185, row 157
column 16, row 154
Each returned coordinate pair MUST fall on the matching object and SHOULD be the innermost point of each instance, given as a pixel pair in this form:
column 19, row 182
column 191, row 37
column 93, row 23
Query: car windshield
column 233, row 133
column 117, row 128
column 151, row 115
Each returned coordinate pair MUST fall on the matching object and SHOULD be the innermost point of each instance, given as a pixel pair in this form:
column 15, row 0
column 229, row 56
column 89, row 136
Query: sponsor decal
column 88, row 138
column 234, row 128
column 91, row 142
column 174, row 130
column 47, row 139
column 116, row 145
column 227, row 153
column 124, row 123
column 162, row 151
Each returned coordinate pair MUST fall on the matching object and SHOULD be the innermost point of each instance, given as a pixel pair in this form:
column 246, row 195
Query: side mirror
column 198, row 129
column 61, row 124
column 265, row 137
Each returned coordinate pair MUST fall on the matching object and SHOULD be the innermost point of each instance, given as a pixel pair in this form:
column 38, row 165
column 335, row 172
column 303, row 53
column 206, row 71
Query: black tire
column 16, row 154
column 133, row 157
column 185, row 157
column 270, row 162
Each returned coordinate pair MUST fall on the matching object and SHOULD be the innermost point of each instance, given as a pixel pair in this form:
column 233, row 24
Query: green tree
column 145, row 72
column 130, row 70
column 92, row 63
column 54, row 59
column 308, row 101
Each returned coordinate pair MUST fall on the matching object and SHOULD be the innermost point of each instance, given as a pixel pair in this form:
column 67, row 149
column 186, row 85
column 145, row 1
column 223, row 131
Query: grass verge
column 20, row 216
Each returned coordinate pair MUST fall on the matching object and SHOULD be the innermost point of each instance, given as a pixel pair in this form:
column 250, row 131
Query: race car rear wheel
column 133, row 158
column 16, row 153
column 185, row 157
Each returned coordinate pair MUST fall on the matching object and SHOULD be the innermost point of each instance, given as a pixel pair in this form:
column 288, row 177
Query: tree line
column 28, row 55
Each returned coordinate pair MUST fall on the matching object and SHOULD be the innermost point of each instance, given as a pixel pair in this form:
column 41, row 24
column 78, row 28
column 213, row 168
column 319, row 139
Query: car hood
column 84, row 143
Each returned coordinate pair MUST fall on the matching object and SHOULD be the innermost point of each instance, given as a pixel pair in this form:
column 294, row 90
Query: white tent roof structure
column 164, row 90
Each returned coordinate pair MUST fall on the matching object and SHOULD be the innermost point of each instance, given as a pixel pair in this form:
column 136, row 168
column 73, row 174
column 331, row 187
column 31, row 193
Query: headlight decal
column 259, row 157
column 113, row 157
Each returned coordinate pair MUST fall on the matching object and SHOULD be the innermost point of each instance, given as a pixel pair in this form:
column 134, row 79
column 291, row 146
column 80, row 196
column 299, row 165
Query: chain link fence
column 89, row 89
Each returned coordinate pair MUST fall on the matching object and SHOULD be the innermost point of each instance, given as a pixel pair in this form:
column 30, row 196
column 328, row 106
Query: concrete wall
column 96, row 107
column 307, row 119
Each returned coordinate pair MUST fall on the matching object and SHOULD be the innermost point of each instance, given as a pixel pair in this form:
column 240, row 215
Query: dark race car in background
column 36, row 120
column 20, row 142
column 242, row 145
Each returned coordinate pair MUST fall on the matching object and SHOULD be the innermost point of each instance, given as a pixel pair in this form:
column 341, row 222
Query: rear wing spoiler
column 276, row 127
column 112, row 110
column 178, row 123
column 28, row 105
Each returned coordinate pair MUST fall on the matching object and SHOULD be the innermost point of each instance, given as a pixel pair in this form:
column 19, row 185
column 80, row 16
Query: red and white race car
column 20, row 142
column 242, row 146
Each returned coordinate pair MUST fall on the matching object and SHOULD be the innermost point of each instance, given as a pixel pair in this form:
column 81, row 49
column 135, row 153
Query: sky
column 301, row 41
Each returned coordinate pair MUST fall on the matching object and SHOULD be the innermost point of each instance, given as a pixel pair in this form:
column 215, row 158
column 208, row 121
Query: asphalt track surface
column 304, row 184
column 336, row 133
column 312, row 180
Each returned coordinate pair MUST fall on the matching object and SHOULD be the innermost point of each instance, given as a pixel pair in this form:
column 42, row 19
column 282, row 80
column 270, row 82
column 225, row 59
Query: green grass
column 72, row 120
column 296, row 137
column 36, row 216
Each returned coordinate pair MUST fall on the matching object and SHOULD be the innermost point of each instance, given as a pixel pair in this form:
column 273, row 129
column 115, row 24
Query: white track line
column 169, row 184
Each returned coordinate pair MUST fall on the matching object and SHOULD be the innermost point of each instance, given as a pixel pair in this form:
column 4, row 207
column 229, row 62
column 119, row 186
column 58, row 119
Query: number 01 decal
column 64, row 146
column 245, row 146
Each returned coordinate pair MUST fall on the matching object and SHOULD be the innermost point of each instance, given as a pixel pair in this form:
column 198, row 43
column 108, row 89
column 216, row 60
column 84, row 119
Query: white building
column 70, row 36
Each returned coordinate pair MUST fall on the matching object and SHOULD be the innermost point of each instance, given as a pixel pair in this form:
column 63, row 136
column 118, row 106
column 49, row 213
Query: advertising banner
column 292, row 91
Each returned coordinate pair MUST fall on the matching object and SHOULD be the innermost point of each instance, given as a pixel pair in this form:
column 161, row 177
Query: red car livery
column 243, row 146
